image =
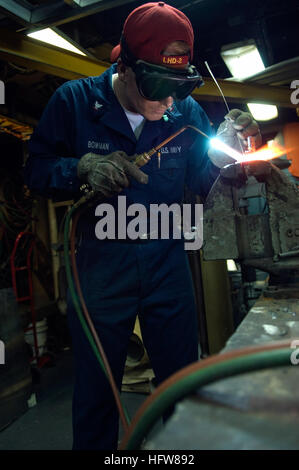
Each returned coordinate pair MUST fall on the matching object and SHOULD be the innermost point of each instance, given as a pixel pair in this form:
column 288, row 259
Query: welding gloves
column 233, row 131
column 109, row 174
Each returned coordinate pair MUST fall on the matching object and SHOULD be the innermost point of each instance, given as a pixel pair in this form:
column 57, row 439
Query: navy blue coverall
column 119, row 279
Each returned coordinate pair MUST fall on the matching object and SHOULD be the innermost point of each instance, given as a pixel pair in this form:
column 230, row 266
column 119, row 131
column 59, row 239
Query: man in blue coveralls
column 89, row 132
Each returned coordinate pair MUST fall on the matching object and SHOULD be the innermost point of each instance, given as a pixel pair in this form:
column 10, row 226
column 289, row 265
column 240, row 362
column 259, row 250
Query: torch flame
column 268, row 152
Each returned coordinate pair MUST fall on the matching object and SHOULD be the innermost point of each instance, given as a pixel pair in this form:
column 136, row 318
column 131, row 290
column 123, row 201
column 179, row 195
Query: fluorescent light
column 231, row 265
column 263, row 112
column 51, row 37
column 242, row 59
column 85, row 3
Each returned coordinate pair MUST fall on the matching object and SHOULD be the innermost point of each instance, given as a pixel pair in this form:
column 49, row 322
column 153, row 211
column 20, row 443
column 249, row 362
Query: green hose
column 74, row 296
column 205, row 376
column 73, row 290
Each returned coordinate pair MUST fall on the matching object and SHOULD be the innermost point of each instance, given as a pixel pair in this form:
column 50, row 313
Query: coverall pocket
column 171, row 167
column 168, row 180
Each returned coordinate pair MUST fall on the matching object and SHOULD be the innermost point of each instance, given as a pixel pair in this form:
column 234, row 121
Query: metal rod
column 217, row 85
column 225, row 102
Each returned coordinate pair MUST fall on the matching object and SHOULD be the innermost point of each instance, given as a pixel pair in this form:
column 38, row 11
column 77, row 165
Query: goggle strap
column 127, row 56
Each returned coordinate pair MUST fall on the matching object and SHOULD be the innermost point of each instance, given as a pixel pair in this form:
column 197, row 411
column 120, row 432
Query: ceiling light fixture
column 242, row 59
column 50, row 36
column 263, row 112
column 85, row 3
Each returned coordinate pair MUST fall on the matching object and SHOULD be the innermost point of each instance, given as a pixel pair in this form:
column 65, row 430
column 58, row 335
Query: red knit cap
column 150, row 28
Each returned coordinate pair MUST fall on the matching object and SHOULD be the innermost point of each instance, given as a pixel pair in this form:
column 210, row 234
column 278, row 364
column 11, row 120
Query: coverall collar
column 105, row 106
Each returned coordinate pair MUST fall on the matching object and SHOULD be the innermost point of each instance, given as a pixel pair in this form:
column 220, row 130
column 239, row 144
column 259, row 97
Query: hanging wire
column 217, row 85
column 225, row 102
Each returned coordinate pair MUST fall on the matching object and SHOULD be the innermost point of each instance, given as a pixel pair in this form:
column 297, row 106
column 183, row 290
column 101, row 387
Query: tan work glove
column 233, row 131
column 109, row 174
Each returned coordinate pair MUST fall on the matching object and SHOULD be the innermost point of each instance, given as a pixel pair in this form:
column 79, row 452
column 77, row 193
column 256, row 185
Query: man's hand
column 233, row 131
column 109, row 174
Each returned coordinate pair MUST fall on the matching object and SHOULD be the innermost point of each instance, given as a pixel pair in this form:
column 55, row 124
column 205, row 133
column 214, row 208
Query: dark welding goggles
column 156, row 83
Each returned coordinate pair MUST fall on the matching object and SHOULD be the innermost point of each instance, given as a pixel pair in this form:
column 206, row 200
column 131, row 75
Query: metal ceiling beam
column 57, row 13
column 17, row 9
column 244, row 92
column 36, row 55
column 63, row 16
column 278, row 74
column 82, row 3
column 15, row 47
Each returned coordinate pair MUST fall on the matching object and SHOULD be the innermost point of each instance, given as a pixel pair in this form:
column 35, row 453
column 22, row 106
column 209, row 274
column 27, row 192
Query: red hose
column 192, row 368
